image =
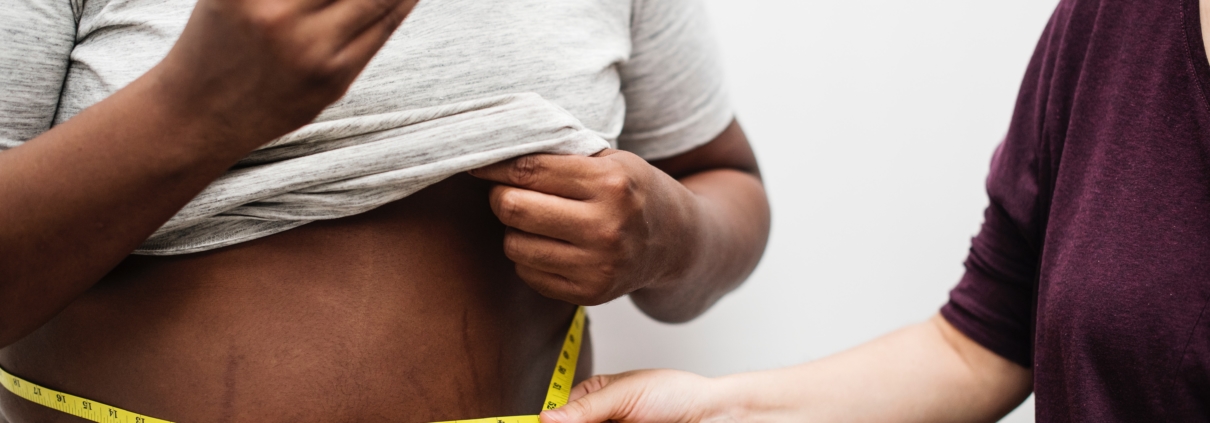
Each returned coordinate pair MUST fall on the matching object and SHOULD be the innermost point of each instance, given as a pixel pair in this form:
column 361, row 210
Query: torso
column 407, row 313
column 1103, row 184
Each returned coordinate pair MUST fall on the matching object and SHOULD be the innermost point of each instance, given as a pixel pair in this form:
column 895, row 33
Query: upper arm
column 672, row 81
column 729, row 150
column 995, row 302
column 1204, row 16
column 36, row 40
column 998, row 385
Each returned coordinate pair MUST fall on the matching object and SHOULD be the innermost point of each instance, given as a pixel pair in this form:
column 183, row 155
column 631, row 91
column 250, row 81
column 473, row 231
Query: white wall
column 874, row 122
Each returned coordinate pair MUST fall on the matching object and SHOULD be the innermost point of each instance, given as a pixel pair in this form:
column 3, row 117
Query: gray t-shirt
column 462, row 84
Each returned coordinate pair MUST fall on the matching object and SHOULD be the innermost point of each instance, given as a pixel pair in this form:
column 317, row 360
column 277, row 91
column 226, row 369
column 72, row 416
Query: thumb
column 591, row 403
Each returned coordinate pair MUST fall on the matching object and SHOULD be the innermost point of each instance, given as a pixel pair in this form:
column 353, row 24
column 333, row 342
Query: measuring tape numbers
column 557, row 394
column 71, row 404
column 559, row 390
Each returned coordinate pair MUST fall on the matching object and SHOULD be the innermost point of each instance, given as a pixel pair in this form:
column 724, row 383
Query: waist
column 407, row 313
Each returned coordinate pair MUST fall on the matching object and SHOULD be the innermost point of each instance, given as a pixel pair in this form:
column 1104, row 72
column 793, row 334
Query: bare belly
column 408, row 313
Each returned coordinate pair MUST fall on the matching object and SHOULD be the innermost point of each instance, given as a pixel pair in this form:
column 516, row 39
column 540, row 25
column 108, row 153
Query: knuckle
column 610, row 236
column 606, row 272
column 542, row 256
column 270, row 17
column 322, row 72
column 512, row 247
column 313, row 66
column 617, row 184
column 394, row 19
column 525, row 170
column 596, row 383
column 510, row 207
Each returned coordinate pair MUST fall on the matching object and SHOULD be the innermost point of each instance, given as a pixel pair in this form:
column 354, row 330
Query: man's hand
column 588, row 230
column 260, row 69
column 645, row 396
column 676, row 234
column 83, row 195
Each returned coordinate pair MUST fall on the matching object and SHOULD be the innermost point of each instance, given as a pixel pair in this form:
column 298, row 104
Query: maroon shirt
column 1093, row 263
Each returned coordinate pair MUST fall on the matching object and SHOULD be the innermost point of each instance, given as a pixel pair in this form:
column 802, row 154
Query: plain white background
column 874, row 122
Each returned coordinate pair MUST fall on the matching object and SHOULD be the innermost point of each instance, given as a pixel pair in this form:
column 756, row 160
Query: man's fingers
column 542, row 253
column 358, row 52
column 360, row 24
column 542, row 214
column 567, row 176
column 548, row 284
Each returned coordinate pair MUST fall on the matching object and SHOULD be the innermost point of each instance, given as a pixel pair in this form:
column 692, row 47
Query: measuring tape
column 557, row 394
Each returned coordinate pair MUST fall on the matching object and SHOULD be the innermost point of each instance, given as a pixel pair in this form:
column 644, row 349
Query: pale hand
column 644, row 396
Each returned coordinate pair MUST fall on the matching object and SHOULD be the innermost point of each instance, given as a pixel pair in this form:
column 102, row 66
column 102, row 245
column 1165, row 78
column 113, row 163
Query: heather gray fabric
column 462, row 84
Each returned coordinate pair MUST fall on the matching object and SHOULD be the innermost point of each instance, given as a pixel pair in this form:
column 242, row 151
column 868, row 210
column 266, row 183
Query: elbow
column 671, row 309
column 673, row 317
column 691, row 297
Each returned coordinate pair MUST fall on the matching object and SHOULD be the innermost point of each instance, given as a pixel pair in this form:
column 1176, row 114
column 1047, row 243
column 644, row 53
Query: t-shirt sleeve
column 673, row 80
column 36, row 40
column 993, row 303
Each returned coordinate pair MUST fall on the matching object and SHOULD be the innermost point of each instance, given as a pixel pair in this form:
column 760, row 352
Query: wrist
column 151, row 119
column 675, row 259
column 678, row 289
column 686, row 238
column 733, row 399
column 200, row 113
column 757, row 397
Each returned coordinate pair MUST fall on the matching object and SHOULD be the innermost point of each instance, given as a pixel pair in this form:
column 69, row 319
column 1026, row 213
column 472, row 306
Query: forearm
column 927, row 372
column 82, row 196
column 730, row 229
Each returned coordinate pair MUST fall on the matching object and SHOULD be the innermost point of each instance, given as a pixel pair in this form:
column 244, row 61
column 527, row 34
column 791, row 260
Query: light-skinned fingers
column 567, row 176
column 543, row 253
column 593, row 384
column 597, row 406
column 542, row 214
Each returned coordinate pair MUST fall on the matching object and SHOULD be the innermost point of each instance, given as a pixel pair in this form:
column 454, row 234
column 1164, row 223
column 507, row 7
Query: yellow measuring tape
column 557, row 394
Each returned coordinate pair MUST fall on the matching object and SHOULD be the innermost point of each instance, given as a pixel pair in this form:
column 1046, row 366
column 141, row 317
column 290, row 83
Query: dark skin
column 675, row 234
column 411, row 312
